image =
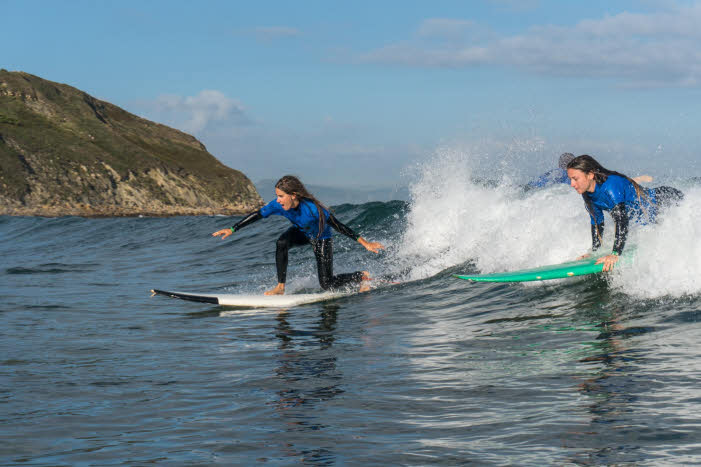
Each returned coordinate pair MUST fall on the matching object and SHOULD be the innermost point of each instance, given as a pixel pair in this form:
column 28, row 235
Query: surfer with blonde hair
column 311, row 225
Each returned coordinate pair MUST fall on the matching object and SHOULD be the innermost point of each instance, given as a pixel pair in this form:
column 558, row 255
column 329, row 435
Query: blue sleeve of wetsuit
column 597, row 215
column 541, row 181
column 552, row 177
column 563, row 178
column 620, row 216
column 272, row 207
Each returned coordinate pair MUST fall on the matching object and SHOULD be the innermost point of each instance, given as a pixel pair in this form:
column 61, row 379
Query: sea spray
column 491, row 225
column 667, row 254
column 457, row 220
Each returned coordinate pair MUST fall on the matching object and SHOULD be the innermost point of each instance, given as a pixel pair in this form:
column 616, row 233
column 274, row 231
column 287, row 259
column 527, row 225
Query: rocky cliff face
column 63, row 152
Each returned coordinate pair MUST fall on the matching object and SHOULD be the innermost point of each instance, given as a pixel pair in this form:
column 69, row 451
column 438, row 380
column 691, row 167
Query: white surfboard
column 254, row 301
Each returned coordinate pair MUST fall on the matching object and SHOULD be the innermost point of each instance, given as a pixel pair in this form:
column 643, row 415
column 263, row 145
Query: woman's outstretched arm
column 249, row 219
column 375, row 247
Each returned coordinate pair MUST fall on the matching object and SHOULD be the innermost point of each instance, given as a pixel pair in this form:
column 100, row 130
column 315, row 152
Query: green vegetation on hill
column 64, row 152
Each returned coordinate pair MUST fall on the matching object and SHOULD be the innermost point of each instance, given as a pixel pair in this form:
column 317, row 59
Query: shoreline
column 121, row 212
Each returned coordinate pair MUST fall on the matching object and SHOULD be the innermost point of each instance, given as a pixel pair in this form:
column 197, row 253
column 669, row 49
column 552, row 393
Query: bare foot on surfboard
column 277, row 290
column 365, row 282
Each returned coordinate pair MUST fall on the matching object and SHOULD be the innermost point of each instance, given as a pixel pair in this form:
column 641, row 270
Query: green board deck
column 556, row 271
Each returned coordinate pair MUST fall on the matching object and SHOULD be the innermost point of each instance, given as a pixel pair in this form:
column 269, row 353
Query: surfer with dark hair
column 312, row 222
column 606, row 190
column 558, row 175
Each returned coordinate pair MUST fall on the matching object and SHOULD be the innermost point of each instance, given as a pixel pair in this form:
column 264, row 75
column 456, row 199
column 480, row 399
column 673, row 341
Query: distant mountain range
column 339, row 195
column 63, row 152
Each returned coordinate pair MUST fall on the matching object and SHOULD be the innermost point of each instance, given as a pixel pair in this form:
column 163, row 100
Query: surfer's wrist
column 615, row 253
column 233, row 229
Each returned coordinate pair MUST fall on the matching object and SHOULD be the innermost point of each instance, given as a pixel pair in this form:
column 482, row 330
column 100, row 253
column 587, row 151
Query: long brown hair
column 294, row 186
column 588, row 164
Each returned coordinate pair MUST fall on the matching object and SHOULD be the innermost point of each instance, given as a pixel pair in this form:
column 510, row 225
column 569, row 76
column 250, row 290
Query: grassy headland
column 63, row 152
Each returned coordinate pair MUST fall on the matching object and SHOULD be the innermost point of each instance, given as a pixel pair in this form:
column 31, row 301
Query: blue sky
column 353, row 93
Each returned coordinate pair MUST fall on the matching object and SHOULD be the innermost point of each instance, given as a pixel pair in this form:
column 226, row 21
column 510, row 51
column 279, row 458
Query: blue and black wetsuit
column 552, row 177
column 305, row 231
column 617, row 195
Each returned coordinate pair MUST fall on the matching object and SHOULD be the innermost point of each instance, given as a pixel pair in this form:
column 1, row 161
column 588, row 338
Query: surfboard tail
column 187, row 296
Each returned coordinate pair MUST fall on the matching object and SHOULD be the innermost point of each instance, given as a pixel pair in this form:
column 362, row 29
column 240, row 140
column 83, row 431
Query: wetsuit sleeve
column 551, row 177
column 597, row 233
column 563, row 178
column 620, row 216
column 542, row 181
column 342, row 228
column 595, row 212
column 271, row 208
column 597, row 215
column 249, row 219
column 539, row 182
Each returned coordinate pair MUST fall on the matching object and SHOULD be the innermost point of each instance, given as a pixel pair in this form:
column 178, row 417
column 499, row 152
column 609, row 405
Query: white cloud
column 642, row 49
column 193, row 114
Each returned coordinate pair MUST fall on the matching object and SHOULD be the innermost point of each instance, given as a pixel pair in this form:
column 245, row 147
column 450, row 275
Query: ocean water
column 431, row 370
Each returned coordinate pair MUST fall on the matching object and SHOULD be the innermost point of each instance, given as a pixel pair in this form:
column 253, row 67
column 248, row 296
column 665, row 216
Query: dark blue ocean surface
column 432, row 370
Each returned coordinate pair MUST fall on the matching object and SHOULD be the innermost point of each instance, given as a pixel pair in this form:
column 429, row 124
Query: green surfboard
column 556, row 271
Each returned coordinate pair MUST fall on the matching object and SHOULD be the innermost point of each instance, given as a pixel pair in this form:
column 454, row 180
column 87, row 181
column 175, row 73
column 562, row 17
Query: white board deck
column 255, row 301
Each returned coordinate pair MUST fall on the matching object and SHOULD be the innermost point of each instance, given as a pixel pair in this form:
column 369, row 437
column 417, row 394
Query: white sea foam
column 453, row 220
column 668, row 254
